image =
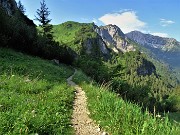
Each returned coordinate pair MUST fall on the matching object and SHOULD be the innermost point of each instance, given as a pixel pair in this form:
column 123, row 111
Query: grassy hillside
column 66, row 32
column 118, row 117
column 74, row 34
column 34, row 96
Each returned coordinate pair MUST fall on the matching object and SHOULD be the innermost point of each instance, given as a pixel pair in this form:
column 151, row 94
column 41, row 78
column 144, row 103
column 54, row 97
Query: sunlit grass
column 119, row 117
column 34, row 96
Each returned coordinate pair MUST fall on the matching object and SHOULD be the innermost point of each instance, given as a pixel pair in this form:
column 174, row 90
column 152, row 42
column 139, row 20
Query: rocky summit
column 114, row 38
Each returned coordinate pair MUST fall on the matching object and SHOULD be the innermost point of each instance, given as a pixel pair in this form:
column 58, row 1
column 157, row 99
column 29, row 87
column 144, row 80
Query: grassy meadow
column 34, row 96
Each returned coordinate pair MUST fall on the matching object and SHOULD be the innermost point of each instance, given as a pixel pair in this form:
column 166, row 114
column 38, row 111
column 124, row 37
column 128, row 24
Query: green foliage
column 174, row 116
column 42, row 17
column 117, row 116
column 43, row 14
column 93, row 67
column 18, row 32
column 21, row 7
column 175, row 98
column 167, row 74
column 135, row 79
column 132, row 74
column 75, row 35
column 34, row 96
column 65, row 33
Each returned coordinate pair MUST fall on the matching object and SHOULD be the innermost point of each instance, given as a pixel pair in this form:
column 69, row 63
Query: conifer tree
column 21, row 7
column 42, row 16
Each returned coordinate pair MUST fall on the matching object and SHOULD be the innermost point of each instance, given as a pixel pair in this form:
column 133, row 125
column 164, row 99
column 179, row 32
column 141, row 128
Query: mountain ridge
column 162, row 43
column 166, row 50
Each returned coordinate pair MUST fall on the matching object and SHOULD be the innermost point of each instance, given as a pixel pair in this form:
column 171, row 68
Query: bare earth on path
column 82, row 124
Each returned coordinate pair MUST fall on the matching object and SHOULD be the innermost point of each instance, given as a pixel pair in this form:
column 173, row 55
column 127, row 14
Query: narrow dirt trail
column 82, row 124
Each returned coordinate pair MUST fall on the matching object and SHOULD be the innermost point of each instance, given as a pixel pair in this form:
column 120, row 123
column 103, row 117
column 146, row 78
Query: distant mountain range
column 151, row 41
column 164, row 49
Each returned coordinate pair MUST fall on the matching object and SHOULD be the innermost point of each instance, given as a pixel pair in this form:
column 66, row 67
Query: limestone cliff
column 98, row 43
column 114, row 38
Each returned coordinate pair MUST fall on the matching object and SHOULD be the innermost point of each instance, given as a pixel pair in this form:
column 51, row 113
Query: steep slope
column 81, row 38
column 18, row 32
column 114, row 38
column 34, row 95
column 97, row 42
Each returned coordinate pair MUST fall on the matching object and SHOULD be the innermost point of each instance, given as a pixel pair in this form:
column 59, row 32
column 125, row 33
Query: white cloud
column 164, row 22
column 160, row 34
column 127, row 21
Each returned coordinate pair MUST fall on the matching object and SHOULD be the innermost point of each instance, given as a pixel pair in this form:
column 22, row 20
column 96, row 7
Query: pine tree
column 21, row 7
column 42, row 17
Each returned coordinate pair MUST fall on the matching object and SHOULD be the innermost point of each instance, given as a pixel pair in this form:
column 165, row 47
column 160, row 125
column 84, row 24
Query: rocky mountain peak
column 113, row 30
column 114, row 38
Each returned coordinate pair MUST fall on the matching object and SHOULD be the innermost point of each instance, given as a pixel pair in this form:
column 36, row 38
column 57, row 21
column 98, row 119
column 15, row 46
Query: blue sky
column 158, row 17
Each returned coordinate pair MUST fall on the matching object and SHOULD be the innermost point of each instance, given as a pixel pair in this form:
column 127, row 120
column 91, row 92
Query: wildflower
column 27, row 80
column 158, row 116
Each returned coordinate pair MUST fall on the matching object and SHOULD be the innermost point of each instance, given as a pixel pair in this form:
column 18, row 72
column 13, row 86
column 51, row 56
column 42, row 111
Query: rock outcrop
column 94, row 45
column 146, row 68
column 9, row 5
column 114, row 38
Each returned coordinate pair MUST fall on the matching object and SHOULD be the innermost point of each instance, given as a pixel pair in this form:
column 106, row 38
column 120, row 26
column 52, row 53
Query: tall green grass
column 175, row 116
column 34, row 96
column 118, row 117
